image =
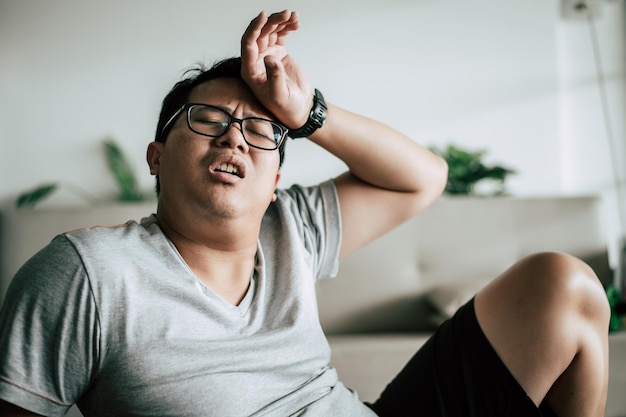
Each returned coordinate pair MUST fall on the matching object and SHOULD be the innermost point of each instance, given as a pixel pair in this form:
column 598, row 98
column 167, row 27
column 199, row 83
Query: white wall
column 507, row 75
column 592, row 111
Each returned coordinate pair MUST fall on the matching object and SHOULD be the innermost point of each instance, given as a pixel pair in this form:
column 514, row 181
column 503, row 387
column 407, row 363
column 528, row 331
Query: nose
column 233, row 137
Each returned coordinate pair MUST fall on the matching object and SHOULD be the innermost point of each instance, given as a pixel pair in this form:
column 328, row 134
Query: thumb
column 275, row 75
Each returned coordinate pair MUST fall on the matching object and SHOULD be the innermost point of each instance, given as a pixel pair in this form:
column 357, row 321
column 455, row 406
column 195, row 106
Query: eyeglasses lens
column 214, row 122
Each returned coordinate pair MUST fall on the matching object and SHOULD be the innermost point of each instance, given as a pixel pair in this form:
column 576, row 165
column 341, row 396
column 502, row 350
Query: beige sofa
column 389, row 295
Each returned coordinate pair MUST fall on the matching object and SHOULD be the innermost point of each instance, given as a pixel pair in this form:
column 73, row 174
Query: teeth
column 230, row 168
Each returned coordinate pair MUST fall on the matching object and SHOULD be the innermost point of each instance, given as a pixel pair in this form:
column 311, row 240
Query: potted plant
column 466, row 169
column 120, row 168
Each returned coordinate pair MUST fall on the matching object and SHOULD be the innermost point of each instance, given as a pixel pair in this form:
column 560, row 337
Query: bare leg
column 547, row 318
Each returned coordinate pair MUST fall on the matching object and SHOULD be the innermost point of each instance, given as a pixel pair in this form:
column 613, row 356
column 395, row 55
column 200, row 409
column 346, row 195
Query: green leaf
column 30, row 198
column 465, row 168
column 615, row 323
column 122, row 172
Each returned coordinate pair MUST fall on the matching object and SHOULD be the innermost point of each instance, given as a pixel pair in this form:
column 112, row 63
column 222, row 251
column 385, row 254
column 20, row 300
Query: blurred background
column 539, row 84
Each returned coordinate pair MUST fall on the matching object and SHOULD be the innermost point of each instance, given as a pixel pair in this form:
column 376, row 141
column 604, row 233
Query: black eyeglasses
column 214, row 122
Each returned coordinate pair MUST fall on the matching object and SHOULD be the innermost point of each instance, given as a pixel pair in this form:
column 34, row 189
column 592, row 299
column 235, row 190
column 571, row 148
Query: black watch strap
column 317, row 117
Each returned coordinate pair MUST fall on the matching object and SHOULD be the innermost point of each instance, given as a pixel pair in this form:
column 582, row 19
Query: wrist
column 316, row 119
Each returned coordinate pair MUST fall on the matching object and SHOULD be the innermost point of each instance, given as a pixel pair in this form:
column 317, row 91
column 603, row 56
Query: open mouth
column 229, row 169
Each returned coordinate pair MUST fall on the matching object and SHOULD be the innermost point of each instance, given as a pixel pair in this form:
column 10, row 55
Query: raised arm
column 390, row 178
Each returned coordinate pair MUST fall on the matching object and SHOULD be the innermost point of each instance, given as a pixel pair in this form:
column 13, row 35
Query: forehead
column 229, row 93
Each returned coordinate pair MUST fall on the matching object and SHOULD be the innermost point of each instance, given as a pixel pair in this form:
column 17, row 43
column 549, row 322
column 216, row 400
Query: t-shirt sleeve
column 48, row 332
column 316, row 209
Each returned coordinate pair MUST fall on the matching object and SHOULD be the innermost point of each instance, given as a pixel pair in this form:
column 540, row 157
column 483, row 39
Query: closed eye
column 211, row 122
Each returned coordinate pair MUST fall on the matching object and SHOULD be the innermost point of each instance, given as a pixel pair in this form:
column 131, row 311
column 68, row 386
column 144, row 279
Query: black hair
column 179, row 95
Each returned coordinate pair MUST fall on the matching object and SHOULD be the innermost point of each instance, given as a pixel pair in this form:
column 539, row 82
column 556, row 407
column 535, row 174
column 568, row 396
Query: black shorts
column 456, row 373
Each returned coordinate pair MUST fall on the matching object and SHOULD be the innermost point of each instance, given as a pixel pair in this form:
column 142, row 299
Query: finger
column 284, row 29
column 281, row 17
column 281, row 35
column 262, row 31
column 271, row 39
column 249, row 45
column 255, row 26
column 293, row 20
column 291, row 25
column 253, row 32
column 275, row 77
column 279, row 22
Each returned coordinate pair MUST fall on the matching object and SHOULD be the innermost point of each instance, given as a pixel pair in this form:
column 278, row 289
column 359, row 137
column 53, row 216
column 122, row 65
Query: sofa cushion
column 449, row 297
column 383, row 274
column 394, row 283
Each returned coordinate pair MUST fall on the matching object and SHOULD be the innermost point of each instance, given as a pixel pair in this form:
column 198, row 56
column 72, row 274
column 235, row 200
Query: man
column 208, row 307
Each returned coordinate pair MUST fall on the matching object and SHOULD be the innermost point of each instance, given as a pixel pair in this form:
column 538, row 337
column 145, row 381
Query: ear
column 274, row 197
column 153, row 156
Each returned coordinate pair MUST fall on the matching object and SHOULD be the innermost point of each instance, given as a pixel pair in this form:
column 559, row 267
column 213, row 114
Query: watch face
column 318, row 114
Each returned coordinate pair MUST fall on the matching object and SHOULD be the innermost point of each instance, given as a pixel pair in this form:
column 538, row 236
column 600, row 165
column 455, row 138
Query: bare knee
column 577, row 315
column 540, row 314
column 565, row 281
column 550, row 285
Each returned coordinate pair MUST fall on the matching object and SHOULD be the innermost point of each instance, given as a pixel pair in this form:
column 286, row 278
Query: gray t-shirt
column 113, row 319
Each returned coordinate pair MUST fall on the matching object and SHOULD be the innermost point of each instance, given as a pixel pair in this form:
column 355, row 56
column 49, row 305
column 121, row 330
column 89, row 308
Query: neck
column 220, row 253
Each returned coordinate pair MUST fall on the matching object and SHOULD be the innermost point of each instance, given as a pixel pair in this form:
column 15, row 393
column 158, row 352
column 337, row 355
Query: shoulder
column 106, row 251
column 306, row 220
column 66, row 250
column 58, row 256
column 128, row 230
column 302, row 207
column 302, row 201
column 49, row 277
column 308, row 194
column 108, row 240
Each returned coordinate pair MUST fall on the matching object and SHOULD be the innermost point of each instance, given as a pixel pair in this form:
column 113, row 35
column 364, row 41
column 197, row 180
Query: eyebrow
column 245, row 115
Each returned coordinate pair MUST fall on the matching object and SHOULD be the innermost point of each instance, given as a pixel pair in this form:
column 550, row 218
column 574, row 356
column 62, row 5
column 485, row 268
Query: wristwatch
column 317, row 117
